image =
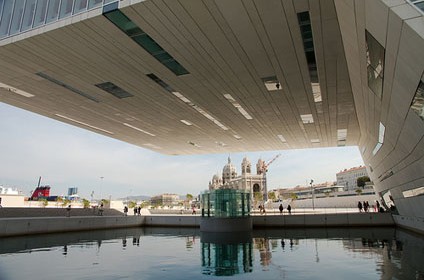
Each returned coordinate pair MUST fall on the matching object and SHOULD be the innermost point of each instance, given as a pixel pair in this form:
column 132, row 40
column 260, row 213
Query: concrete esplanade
column 84, row 219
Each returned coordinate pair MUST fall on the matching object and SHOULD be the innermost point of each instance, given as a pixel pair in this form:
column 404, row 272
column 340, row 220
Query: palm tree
column 189, row 197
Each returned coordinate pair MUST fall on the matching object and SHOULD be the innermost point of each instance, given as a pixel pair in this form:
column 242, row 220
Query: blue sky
column 66, row 156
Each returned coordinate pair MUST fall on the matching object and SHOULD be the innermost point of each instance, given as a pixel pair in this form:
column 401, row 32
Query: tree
column 59, row 200
column 85, row 203
column 189, row 197
column 358, row 191
column 293, row 196
column 66, row 202
column 257, row 196
column 132, row 204
column 43, row 201
column 145, row 204
column 360, row 182
column 271, row 195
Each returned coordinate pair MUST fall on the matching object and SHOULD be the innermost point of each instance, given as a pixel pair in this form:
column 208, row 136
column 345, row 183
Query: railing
column 18, row 16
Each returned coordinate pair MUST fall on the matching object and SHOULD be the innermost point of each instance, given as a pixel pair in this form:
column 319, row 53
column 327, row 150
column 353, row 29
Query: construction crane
column 263, row 170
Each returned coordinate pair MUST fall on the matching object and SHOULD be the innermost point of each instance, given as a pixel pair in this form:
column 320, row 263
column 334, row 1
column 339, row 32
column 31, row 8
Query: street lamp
column 312, row 194
column 101, row 183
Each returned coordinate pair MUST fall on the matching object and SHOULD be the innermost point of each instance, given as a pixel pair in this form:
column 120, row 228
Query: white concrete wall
column 324, row 220
column 327, row 202
column 172, row 221
column 24, row 226
column 12, row 200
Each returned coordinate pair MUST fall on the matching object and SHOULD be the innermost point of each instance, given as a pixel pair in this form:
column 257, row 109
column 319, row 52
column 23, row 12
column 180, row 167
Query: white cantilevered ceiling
column 191, row 76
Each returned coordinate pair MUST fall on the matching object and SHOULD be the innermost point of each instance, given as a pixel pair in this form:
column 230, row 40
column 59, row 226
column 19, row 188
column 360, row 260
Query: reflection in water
column 223, row 255
column 164, row 253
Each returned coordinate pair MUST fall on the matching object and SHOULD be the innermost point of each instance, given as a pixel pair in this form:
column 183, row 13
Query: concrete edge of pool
column 39, row 225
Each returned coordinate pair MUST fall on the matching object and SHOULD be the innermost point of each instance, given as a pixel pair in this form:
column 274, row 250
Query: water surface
column 174, row 253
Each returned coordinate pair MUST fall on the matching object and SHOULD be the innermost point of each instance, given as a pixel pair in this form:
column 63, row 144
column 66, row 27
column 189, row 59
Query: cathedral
column 246, row 181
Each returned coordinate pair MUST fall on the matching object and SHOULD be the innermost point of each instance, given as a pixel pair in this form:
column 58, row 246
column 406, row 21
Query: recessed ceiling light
column 307, row 118
column 186, row 122
column 281, row 137
column 316, row 91
column 16, row 90
column 152, row 146
column 271, row 83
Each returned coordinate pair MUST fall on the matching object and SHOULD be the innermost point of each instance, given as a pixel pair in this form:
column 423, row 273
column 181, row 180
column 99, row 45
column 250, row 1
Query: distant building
column 9, row 191
column 347, row 178
column 246, row 181
column 165, row 199
column 72, row 191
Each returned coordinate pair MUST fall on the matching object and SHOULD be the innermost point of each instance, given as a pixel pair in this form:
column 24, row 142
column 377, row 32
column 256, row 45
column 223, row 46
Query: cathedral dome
column 215, row 178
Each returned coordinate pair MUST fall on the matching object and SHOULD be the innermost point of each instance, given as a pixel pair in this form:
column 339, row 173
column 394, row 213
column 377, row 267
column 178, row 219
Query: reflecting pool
column 184, row 253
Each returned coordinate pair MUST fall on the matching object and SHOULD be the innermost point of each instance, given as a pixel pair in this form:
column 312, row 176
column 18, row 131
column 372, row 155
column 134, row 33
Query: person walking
column 360, row 206
column 289, row 209
column 68, row 210
column 139, row 210
column 281, row 208
column 101, row 209
column 125, row 210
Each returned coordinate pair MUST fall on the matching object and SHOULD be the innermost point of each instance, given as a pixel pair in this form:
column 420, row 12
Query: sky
column 67, row 156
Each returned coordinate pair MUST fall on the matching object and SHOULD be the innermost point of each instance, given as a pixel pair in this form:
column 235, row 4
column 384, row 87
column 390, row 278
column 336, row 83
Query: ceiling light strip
column 281, row 137
column 139, row 129
column 184, row 99
column 83, row 123
column 186, row 122
column 245, row 114
column 152, row 146
column 16, row 90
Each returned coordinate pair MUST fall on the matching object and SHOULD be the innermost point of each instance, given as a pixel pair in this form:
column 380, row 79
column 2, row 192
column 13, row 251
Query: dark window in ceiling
column 375, row 64
column 160, row 82
column 68, row 87
column 114, row 90
column 145, row 41
column 418, row 102
column 308, row 44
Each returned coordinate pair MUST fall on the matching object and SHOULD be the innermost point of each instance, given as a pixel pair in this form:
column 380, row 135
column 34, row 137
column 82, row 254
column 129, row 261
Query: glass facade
column 226, row 203
column 21, row 15
column 419, row 4
column 222, row 259
column 375, row 64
